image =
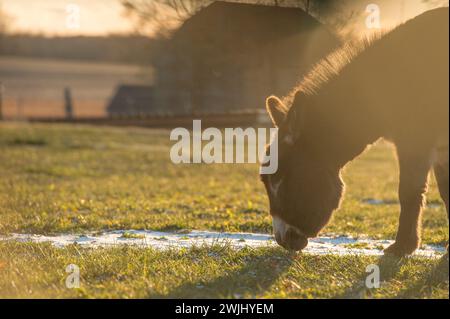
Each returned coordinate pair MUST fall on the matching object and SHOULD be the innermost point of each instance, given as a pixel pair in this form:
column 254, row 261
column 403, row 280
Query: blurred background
column 151, row 61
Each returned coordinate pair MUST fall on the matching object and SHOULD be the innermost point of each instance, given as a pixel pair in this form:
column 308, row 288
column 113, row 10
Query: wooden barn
column 131, row 100
column 229, row 57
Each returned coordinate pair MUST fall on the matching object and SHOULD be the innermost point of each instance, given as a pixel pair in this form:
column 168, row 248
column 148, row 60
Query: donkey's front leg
column 414, row 168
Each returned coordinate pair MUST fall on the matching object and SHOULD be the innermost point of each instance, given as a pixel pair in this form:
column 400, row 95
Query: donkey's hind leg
column 415, row 164
column 441, row 173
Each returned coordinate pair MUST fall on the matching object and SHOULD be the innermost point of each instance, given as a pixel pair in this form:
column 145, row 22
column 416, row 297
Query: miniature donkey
column 394, row 88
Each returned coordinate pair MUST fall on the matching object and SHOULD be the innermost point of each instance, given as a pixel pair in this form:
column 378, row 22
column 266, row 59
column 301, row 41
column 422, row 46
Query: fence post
column 68, row 103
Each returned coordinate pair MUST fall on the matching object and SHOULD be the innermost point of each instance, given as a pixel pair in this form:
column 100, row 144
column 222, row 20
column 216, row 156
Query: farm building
column 131, row 100
column 229, row 57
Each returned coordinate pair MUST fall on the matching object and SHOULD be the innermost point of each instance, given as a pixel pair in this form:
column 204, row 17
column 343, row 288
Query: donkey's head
column 307, row 186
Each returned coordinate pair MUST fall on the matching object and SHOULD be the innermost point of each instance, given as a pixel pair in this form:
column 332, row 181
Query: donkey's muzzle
column 291, row 240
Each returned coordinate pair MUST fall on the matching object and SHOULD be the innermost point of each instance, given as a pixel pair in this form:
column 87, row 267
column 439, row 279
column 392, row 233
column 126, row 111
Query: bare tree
column 185, row 8
column 161, row 15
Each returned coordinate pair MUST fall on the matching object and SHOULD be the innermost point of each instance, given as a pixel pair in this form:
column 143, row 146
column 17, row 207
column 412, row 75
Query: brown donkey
column 395, row 87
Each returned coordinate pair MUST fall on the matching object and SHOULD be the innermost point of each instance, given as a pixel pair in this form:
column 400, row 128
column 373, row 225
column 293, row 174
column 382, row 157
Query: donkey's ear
column 276, row 109
column 297, row 116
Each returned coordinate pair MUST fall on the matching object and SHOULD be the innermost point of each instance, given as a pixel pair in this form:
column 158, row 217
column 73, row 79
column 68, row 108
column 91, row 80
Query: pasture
column 34, row 87
column 78, row 179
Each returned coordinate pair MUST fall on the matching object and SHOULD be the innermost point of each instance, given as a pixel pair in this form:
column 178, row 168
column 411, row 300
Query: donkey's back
column 412, row 96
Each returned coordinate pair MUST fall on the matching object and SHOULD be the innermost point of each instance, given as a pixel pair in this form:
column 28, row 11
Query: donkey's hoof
column 400, row 249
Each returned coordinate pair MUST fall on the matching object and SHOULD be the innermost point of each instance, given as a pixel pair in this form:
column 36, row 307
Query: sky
column 103, row 17
column 391, row 12
column 67, row 17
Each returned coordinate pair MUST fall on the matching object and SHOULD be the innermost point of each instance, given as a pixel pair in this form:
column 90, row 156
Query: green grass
column 63, row 178
column 34, row 271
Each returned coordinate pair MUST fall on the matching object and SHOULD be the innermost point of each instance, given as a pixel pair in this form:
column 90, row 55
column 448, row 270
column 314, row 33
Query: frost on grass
column 337, row 245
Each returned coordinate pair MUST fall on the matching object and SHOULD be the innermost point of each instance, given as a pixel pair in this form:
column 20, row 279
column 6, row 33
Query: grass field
column 61, row 178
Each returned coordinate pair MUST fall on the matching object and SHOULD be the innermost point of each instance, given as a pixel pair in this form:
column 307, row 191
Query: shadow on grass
column 434, row 277
column 426, row 282
column 389, row 266
column 255, row 276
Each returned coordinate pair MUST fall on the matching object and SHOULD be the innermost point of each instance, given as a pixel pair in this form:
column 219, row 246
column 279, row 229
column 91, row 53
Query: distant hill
column 123, row 49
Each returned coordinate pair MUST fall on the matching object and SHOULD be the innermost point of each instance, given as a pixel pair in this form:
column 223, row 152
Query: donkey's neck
column 340, row 125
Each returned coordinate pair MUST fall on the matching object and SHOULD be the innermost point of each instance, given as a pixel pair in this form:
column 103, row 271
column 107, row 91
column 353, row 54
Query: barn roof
column 226, row 27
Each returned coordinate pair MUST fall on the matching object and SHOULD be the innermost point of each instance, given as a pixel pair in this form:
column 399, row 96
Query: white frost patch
column 338, row 245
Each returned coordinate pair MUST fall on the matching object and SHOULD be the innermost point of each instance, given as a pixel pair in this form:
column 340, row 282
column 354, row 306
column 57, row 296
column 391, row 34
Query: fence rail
column 246, row 119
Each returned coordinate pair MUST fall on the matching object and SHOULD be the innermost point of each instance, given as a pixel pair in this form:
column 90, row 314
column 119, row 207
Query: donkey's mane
column 330, row 66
